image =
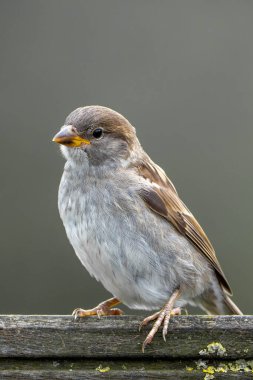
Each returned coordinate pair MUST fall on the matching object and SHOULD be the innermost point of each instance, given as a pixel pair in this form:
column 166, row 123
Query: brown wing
column 163, row 199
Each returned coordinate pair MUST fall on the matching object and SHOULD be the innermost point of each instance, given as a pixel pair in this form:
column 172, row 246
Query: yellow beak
column 68, row 136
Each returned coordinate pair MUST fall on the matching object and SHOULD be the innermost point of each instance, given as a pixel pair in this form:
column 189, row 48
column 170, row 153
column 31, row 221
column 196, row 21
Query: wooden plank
column 34, row 369
column 223, row 337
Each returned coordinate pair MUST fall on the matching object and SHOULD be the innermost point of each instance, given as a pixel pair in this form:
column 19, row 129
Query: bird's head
column 96, row 133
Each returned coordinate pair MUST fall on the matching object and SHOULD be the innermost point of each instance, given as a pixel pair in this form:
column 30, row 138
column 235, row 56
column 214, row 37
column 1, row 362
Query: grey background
column 180, row 70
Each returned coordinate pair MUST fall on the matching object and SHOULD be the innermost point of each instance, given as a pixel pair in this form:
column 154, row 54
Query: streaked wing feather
column 162, row 198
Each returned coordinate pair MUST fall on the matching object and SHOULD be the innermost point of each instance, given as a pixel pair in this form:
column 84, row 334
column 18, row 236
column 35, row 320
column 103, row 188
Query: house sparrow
column 129, row 227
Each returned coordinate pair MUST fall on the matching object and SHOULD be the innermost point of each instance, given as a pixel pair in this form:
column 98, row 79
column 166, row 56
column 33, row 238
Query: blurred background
column 181, row 71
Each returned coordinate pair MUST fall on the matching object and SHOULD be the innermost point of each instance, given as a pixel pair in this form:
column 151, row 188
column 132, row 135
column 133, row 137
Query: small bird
column 129, row 227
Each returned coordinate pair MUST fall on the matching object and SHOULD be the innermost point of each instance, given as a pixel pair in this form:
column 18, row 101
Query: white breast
column 90, row 220
column 107, row 227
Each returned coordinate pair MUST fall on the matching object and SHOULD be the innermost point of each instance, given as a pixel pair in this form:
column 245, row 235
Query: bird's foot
column 161, row 317
column 104, row 308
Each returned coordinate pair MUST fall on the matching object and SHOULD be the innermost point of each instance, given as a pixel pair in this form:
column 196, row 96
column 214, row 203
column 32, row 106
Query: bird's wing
column 161, row 196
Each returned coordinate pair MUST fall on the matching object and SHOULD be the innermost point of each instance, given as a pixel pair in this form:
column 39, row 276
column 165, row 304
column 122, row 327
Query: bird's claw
column 148, row 319
column 147, row 341
column 99, row 311
column 162, row 317
column 77, row 313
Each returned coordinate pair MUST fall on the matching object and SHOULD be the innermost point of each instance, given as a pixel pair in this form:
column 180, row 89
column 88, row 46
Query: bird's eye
column 97, row 133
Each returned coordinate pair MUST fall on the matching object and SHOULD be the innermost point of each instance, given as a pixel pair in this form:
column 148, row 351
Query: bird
column 129, row 227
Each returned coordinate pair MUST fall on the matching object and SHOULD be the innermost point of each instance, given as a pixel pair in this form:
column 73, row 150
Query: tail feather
column 216, row 301
column 231, row 306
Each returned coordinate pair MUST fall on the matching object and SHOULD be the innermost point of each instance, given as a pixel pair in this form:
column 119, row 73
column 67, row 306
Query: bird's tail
column 217, row 303
column 231, row 306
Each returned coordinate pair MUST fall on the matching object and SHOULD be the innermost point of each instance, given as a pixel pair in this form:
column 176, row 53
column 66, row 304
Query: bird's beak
column 68, row 136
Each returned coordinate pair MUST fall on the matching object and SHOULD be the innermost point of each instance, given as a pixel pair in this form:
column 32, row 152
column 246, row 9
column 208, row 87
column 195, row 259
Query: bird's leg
column 104, row 308
column 162, row 317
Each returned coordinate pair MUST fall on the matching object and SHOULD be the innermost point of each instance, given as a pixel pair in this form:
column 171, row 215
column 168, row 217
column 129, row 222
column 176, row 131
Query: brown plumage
column 129, row 226
column 165, row 201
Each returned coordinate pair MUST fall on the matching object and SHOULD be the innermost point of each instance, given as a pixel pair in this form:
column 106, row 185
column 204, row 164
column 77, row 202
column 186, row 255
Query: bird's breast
column 137, row 256
column 97, row 218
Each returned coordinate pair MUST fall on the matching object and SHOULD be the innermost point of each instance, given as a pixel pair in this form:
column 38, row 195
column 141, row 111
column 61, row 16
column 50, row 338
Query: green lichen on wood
column 208, row 377
column 214, row 348
column 102, row 369
column 237, row 366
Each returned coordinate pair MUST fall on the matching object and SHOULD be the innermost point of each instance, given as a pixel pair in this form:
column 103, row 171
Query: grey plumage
column 133, row 250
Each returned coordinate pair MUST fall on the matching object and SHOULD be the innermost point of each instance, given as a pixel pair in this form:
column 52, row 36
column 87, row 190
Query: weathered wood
column 58, row 347
column 20, row 369
column 116, row 337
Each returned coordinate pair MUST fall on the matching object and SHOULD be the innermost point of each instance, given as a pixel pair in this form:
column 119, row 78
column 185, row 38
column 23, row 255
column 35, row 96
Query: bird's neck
column 85, row 167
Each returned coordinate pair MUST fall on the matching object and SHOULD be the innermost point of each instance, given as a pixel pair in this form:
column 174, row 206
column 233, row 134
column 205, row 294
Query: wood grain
column 58, row 347
column 34, row 369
